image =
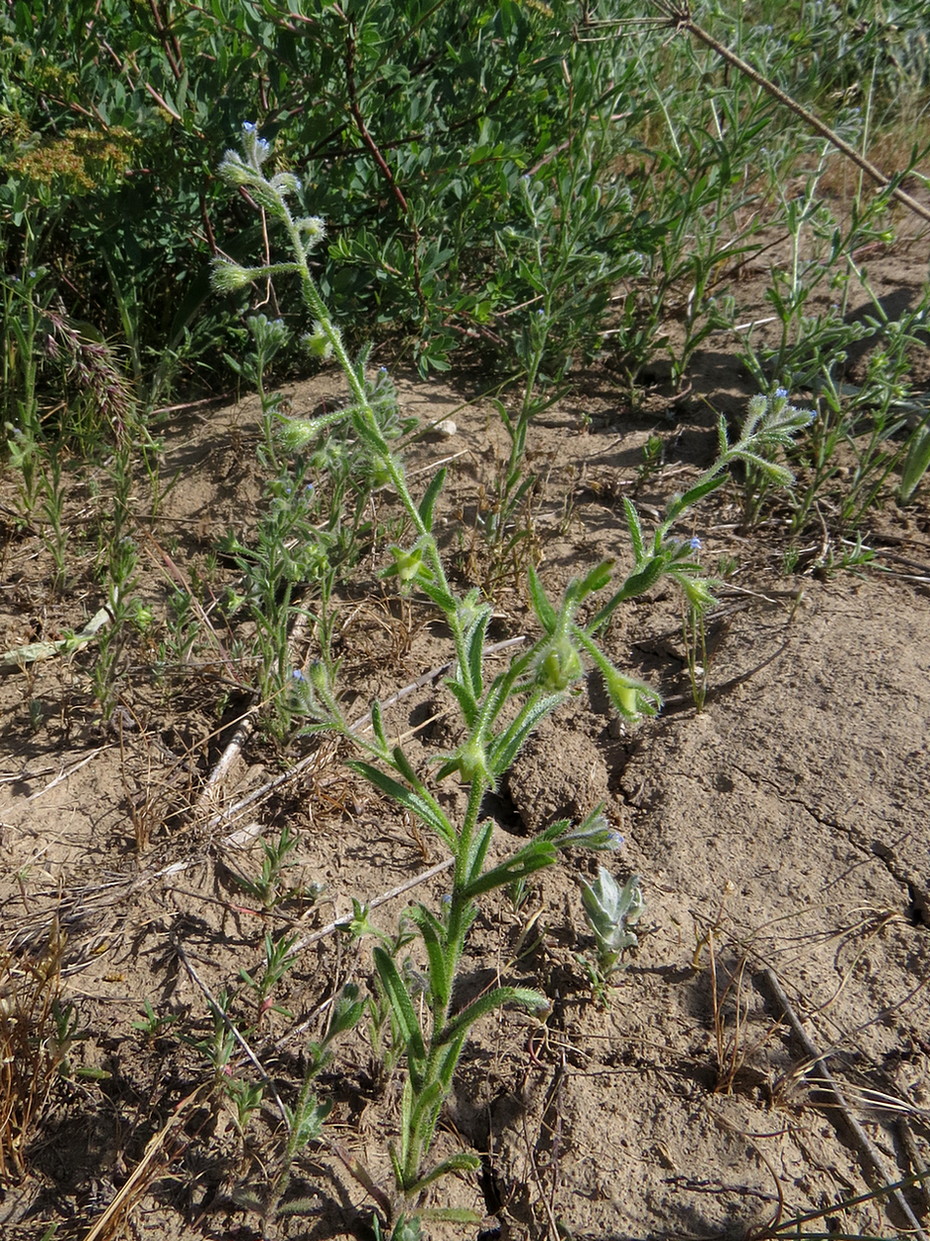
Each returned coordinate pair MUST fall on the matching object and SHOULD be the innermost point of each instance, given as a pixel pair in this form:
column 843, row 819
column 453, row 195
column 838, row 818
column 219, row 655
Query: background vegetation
column 463, row 159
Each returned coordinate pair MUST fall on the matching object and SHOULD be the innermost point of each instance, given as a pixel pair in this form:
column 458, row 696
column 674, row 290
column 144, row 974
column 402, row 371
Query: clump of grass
column 36, row 1028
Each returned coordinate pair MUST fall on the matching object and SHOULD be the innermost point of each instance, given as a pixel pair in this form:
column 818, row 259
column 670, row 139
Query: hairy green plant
column 611, row 910
column 498, row 711
column 269, row 887
column 265, row 979
column 303, row 1120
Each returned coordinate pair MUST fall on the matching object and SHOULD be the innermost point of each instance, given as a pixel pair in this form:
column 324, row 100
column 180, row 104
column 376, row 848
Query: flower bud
column 473, row 763
column 227, row 277
column 296, row 433
column 559, row 667
column 319, row 342
column 286, row 183
column 406, row 564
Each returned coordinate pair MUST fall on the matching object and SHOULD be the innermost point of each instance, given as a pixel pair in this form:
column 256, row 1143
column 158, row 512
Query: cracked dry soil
column 784, row 828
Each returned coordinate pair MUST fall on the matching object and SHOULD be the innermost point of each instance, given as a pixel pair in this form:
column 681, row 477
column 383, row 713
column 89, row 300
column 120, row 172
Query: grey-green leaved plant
column 498, row 710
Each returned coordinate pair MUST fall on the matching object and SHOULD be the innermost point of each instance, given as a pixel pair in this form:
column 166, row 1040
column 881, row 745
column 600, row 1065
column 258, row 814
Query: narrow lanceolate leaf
column 916, row 463
column 377, row 725
column 641, row 581
column 402, row 1009
column 778, row 474
column 532, row 857
column 635, row 529
column 424, row 806
column 502, row 754
column 462, row 1161
column 636, row 584
column 541, row 606
column 723, row 440
column 433, row 934
column 488, row 1003
column 466, row 700
column 440, row 597
column 594, row 581
column 690, row 498
column 476, row 652
column 429, row 498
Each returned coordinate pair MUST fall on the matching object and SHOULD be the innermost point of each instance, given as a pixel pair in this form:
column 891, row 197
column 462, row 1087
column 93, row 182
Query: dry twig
column 866, row 1148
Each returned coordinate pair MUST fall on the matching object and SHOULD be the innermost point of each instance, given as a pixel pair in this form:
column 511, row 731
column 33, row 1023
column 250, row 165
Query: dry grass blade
column 869, row 1155
column 110, row 1224
column 31, row 1049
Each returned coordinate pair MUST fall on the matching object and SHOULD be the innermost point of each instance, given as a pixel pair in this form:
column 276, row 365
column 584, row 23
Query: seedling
column 611, row 911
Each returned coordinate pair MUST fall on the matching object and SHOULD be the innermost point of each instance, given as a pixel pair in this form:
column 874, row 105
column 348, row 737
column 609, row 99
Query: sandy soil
column 781, row 835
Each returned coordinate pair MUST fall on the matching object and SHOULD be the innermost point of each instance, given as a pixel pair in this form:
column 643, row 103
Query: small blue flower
column 248, row 127
column 695, row 544
column 782, row 392
column 297, row 675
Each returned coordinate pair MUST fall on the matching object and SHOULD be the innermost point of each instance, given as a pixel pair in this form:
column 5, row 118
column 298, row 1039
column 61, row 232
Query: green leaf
column 465, row 699
column 475, row 652
column 916, row 463
column 422, row 804
column 636, row 530
column 544, row 610
column 377, row 726
column 434, row 592
column 532, row 857
column 780, row 475
column 429, row 498
column 480, row 844
column 690, row 498
column 463, row 1161
column 488, row 1003
column 503, row 751
column 402, row 1010
column 433, row 933
column 594, row 581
